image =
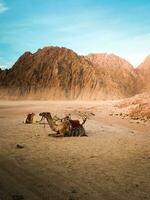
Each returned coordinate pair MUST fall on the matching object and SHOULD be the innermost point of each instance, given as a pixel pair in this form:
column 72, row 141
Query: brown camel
column 77, row 128
column 66, row 126
column 61, row 128
column 29, row 119
column 74, row 123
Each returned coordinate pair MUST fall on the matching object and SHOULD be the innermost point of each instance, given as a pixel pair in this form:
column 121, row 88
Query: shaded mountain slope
column 51, row 73
column 144, row 72
column 118, row 76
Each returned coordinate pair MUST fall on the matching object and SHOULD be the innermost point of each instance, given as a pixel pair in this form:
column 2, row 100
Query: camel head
column 66, row 118
column 45, row 114
column 32, row 114
column 29, row 119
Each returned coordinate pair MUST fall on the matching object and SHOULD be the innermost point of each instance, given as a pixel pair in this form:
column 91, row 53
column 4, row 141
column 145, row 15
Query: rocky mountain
column 3, row 74
column 118, row 77
column 144, row 72
column 59, row 73
column 50, row 73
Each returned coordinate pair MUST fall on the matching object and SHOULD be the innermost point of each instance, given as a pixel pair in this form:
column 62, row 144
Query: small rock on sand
column 19, row 146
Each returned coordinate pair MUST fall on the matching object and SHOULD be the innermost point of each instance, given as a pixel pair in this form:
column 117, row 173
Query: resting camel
column 77, row 128
column 60, row 128
column 65, row 127
column 74, row 123
column 29, row 119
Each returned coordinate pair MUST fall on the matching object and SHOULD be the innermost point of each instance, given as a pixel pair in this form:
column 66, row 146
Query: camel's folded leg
column 57, row 135
column 50, row 134
column 85, row 135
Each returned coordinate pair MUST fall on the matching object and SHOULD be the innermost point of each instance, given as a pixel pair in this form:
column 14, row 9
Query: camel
column 59, row 127
column 77, row 128
column 74, row 123
column 66, row 126
column 29, row 119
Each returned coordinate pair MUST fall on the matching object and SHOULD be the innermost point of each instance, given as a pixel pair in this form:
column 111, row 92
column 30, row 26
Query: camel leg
column 76, row 131
column 59, row 134
column 51, row 134
column 82, row 132
column 55, row 135
column 85, row 135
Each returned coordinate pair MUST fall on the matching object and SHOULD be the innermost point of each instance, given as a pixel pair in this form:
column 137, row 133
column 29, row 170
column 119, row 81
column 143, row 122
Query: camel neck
column 51, row 123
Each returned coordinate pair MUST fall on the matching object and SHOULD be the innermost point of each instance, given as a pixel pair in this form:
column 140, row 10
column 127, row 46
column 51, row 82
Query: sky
column 121, row 27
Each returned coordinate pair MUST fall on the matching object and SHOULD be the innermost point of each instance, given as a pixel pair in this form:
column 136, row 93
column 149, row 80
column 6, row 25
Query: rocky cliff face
column 3, row 74
column 117, row 76
column 51, row 73
column 59, row 73
column 144, row 72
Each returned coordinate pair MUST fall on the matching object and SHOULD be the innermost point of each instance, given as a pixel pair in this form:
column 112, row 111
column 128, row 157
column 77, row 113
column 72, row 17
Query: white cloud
column 3, row 8
column 2, row 67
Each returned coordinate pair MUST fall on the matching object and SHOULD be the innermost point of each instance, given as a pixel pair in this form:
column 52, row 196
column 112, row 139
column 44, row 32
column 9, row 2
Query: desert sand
column 112, row 163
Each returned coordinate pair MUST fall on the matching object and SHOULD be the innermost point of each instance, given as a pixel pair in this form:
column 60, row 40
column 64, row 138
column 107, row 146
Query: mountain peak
column 109, row 61
column 145, row 64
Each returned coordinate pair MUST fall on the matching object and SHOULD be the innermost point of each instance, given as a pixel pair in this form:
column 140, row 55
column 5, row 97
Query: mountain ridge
column 60, row 73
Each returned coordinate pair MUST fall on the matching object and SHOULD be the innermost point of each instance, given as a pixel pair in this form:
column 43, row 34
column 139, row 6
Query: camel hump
column 75, row 123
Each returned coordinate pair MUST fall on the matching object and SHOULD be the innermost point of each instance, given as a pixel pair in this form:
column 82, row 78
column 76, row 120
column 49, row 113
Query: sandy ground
column 113, row 163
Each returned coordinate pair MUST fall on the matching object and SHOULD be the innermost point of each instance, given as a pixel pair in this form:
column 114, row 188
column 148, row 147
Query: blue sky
column 86, row 26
